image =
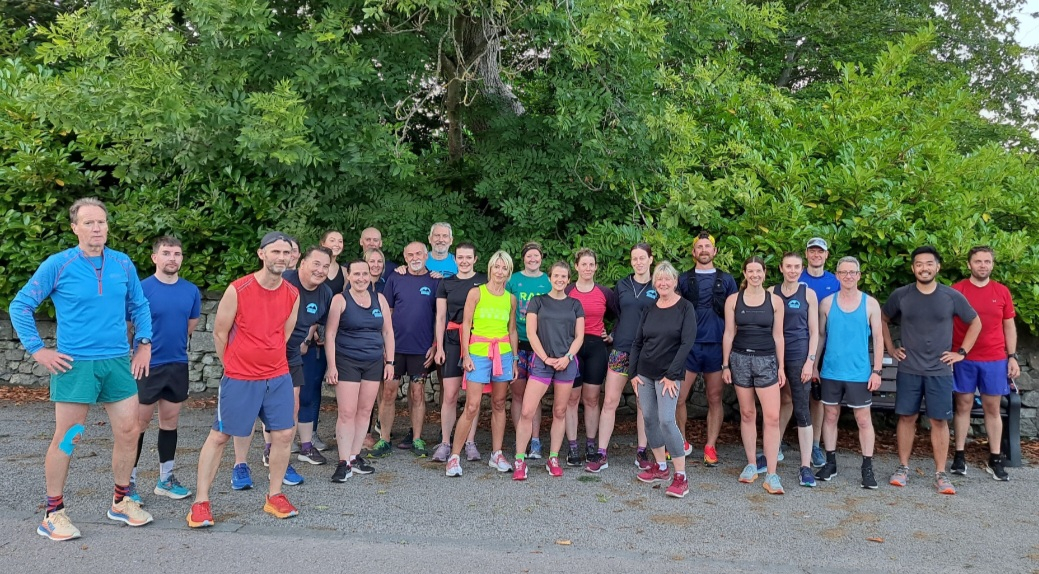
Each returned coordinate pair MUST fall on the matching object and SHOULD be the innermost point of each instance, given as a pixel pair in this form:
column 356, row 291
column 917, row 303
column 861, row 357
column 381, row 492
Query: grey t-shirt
column 557, row 322
column 926, row 322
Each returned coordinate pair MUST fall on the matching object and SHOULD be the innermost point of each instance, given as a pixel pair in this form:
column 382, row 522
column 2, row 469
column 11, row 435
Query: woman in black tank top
column 752, row 360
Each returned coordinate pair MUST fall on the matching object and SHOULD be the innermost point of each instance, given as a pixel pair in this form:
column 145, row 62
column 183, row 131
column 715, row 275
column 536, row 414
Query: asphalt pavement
column 408, row 517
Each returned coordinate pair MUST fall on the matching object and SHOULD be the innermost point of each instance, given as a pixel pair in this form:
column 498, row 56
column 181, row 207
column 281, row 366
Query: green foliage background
column 577, row 123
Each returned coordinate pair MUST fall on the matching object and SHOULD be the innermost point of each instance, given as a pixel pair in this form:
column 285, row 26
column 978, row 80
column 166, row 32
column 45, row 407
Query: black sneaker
column 828, row 471
column 343, row 472
column 591, row 452
column 959, row 464
column 312, row 455
column 574, row 458
column 995, row 468
column 361, row 466
column 868, row 480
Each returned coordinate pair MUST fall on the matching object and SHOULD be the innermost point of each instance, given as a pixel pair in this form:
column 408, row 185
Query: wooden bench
column 1010, row 410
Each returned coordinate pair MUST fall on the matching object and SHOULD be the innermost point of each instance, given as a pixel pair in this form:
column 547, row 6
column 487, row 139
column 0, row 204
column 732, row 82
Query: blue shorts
column 543, row 373
column 483, row 370
column 990, row 377
column 704, row 358
column 937, row 389
column 240, row 402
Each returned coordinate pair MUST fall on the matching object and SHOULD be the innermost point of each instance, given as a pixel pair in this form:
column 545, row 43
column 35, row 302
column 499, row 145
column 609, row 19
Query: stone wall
column 17, row 368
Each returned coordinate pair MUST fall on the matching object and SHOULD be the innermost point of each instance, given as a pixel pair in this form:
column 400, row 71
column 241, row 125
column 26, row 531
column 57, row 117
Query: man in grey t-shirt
column 924, row 310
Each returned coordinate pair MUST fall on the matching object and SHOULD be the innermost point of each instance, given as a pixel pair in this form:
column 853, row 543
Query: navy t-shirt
column 313, row 309
column 171, row 308
column 413, row 300
column 698, row 288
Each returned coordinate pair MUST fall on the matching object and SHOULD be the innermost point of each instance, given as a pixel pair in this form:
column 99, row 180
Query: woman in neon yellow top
column 488, row 341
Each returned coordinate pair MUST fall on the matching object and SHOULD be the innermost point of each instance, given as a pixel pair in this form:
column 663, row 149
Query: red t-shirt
column 596, row 304
column 994, row 305
column 256, row 344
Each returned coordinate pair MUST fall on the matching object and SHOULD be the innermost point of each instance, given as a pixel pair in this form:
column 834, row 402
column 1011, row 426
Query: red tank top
column 256, row 344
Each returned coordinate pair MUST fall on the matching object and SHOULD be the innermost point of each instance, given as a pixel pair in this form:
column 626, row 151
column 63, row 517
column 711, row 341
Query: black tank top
column 360, row 330
column 338, row 283
column 754, row 327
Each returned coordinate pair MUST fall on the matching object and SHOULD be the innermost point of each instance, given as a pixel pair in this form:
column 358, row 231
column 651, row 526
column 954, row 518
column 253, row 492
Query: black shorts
column 452, row 361
column 592, row 359
column 296, row 372
column 351, row 371
column 168, row 382
column 856, row 395
column 411, row 365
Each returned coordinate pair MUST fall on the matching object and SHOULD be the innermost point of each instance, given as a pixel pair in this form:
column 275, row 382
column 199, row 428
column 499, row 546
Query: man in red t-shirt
column 253, row 322
column 991, row 362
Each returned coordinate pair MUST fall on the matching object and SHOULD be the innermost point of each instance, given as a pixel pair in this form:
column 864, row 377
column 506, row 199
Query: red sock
column 121, row 492
column 55, row 503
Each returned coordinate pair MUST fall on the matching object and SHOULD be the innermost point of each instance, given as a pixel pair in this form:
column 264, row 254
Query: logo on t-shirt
column 377, row 313
column 793, row 304
column 312, row 308
column 652, row 294
column 425, row 291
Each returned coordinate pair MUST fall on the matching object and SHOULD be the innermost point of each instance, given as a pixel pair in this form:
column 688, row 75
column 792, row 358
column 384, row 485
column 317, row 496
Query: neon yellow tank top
column 491, row 320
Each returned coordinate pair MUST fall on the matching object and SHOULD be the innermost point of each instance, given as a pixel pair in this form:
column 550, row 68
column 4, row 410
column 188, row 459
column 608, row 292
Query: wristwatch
column 878, row 372
column 144, row 341
column 725, row 367
column 390, row 363
column 569, row 357
column 811, row 357
column 962, row 351
column 1012, row 356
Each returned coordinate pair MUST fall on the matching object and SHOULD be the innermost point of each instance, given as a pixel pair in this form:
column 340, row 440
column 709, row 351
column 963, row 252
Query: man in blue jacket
column 92, row 289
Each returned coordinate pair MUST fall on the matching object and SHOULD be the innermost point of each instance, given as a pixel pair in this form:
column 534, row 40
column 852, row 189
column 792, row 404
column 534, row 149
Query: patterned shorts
column 619, row 362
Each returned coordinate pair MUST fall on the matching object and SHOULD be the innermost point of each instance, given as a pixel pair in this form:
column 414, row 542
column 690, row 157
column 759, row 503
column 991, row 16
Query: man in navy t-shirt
column 175, row 307
column 412, row 297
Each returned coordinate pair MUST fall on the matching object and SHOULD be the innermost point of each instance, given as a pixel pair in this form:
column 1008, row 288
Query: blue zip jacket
column 92, row 296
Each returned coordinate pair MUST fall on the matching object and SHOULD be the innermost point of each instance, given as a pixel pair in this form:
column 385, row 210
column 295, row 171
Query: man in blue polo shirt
column 175, row 306
column 441, row 260
column 92, row 287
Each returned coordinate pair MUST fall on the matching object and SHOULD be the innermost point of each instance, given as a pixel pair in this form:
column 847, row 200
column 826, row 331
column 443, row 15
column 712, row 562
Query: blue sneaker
column 807, row 478
column 535, row 448
column 172, row 488
column 241, row 478
column 132, row 495
column 772, row 484
column 292, row 478
column 762, row 464
column 782, row 456
column 818, row 457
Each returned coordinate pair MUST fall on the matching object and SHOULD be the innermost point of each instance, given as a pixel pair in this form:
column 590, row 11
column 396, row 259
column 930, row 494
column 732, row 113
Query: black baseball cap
column 273, row 236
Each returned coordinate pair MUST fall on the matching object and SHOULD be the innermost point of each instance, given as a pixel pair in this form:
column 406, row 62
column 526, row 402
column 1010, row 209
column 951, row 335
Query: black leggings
column 592, row 360
column 798, row 392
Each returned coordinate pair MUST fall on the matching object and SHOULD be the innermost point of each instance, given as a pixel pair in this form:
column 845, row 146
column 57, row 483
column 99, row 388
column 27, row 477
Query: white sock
column 165, row 469
column 133, row 475
column 662, row 465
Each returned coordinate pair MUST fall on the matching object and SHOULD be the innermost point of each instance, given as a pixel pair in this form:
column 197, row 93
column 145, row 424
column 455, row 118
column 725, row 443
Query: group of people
column 800, row 349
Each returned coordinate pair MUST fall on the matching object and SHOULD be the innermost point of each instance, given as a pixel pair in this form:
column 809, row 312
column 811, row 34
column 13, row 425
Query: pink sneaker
column 521, row 470
column 654, row 474
column 552, row 466
column 679, row 486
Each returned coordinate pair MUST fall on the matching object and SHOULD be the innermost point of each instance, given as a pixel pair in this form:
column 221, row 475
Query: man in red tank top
column 253, row 323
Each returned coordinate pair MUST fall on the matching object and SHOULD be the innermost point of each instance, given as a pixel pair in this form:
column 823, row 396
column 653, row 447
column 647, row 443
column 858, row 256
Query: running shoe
column 600, row 463
column 642, row 461
column 241, row 478
column 772, row 485
column 418, row 446
column 266, row 458
column 405, row 443
column 679, row 486
column 942, row 484
column 454, row 466
column 133, row 495
column 442, row 452
column 128, row 511
column 553, row 467
column 279, row 507
column 472, row 454
column 995, row 468
column 343, row 472
column 818, row 457
column 959, row 464
column 521, row 470
column 782, row 456
column 535, row 449
column 200, row 515
column 710, row 456
column 361, row 466
column 749, row 474
column 499, row 462
column 318, row 443
column 806, row 476
column 868, row 480
column 312, row 455
column 172, row 488
column 762, row 464
column 574, row 458
column 57, row 526
column 291, row 478
column 654, row 474
column 901, row 476
column 590, row 451
column 827, row 472
column 380, row 449
column 688, row 448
